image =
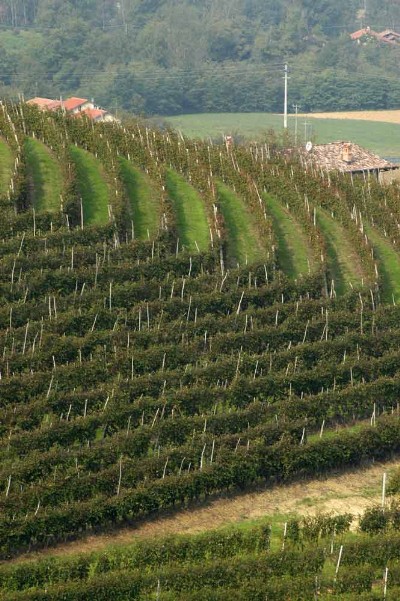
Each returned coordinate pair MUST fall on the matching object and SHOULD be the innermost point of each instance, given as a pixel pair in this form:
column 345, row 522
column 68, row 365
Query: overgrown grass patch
column 388, row 266
column 190, row 214
column 45, row 177
column 243, row 244
column 6, row 166
column 294, row 254
column 92, row 186
column 344, row 264
column 144, row 200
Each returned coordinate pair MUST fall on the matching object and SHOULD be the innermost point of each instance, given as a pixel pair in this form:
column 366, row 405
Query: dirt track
column 382, row 116
column 351, row 492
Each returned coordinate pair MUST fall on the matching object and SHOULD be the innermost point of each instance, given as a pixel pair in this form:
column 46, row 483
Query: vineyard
column 180, row 320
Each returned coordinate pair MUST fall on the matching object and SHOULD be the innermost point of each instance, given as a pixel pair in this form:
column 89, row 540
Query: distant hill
column 164, row 57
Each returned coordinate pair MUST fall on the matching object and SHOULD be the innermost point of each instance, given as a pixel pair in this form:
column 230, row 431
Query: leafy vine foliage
column 138, row 376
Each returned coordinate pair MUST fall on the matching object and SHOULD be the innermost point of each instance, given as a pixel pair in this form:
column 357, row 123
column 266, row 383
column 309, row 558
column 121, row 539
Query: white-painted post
column 202, row 456
column 8, row 485
column 120, row 476
column 338, row 562
column 284, row 536
column 285, row 103
column 383, row 490
column 81, row 214
column 385, row 579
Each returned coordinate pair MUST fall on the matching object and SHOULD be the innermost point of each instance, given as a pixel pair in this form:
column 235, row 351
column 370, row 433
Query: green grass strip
column 92, row 187
column 344, row 264
column 190, row 214
column 388, row 266
column 44, row 175
column 144, row 200
column 294, row 254
column 243, row 241
column 6, row 166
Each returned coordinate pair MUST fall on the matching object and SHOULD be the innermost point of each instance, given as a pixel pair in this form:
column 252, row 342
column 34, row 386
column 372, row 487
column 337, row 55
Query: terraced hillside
column 191, row 320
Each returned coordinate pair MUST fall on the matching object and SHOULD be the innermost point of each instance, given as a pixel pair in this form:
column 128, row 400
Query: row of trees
column 209, row 56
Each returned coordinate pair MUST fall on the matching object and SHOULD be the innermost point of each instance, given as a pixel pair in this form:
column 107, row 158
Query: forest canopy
column 167, row 57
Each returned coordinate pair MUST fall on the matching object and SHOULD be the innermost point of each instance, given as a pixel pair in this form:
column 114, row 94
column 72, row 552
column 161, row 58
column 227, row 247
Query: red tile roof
column 42, row 103
column 94, row 113
column 388, row 36
column 73, row 103
column 56, row 104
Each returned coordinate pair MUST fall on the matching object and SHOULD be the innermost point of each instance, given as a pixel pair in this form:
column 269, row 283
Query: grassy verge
column 243, row 244
column 6, row 166
column 45, row 176
column 389, row 266
column 92, row 187
column 351, row 491
column 190, row 214
column 294, row 254
column 343, row 262
column 144, row 201
column 381, row 138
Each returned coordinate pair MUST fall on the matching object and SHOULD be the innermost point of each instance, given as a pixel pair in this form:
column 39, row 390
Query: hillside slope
column 141, row 376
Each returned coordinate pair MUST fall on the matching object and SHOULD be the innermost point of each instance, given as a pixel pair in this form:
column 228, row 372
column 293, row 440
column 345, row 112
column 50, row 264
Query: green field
column 381, row 138
column 46, row 178
column 93, row 188
column 190, row 214
column 144, row 201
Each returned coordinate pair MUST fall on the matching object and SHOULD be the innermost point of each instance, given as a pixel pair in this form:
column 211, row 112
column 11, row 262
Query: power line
column 133, row 26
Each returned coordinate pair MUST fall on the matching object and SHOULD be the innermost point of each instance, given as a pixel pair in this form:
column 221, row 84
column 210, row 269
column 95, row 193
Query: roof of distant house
column 56, row 104
column 73, row 103
column 332, row 156
column 356, row 35
column 45, row 103
column 41, row 102
column 389, row 36
column 94, row 113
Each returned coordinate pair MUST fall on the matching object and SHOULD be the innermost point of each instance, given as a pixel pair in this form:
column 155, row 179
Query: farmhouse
column 45, row 104
column 348, row 157
column 97, row 115
column 388, row 36
column 77, row 105
column 73, row 106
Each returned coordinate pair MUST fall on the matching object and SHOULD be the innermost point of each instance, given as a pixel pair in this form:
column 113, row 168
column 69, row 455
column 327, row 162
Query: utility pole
column 306, row 124
column 285, row 108
column 296, row 108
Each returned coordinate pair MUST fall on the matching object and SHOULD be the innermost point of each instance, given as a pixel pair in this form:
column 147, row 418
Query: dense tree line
column 198, row 56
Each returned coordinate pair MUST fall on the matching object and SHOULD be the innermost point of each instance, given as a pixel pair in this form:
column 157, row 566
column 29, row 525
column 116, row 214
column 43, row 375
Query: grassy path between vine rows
column 294, row 254
column 92, row 187
column 144, row 200
column 190, row 214
column 344, row 264
column 44, row 175
column 349, row 492
column 243, row 242
column 388, row 266
column 6, row 166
